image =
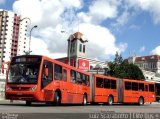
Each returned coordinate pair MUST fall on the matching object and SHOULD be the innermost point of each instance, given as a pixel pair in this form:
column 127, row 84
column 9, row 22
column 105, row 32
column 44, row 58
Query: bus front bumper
column 21, row 96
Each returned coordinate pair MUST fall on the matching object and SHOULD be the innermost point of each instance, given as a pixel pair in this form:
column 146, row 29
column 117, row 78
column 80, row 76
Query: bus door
column 146, row 93
column 71, row 86
column 65, row 85
column 157, row 92
column 46, row 79
column 127, row 94
column 151, row 93
column 100, row 92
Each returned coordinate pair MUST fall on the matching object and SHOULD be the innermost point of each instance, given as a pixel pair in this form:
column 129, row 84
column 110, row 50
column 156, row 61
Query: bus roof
column 140, row 81
column 53, row 60
column 103, row 76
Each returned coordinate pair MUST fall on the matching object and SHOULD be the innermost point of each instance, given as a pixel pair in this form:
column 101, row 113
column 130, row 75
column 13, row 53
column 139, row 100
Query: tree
column 118, row 58
column 120, row 69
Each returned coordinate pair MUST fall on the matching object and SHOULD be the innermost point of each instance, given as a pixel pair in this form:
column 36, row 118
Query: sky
column 131, row 27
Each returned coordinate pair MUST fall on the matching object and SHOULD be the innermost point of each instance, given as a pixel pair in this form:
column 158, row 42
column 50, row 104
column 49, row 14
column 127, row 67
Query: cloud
column 142, row 49
column 134, row 27
column 122, row 19
column 51, row 16
column 156, row 51
column 39, row 47
column 45, row 12
column 151, row 6
column 101, row 40
column 108, row 10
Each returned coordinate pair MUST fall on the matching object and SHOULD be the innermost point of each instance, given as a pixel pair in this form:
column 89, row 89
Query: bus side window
column 113, row 84
column 47, row 65
column 128, row 86
column 64, row 75
column 107, row 83
column 79, row 78
column 151, row 87
column 134, row 86
column 141, row 86
column 84, row 82
column 146, row 87
column 99, row 82
column 73, row 76
column 87, row 80
column 57, row 72
column 46, row 79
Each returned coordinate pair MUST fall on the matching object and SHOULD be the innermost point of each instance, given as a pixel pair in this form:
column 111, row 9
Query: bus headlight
column 34, row 88
column 153, row 96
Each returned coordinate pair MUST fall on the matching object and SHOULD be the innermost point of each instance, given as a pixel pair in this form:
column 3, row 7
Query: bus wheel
column 28, row 103
column 84, row 100
column 57, row 99
column 110, row 100
column 141, row 101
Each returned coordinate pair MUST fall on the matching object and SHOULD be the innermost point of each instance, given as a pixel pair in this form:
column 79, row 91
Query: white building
column 12, row 38
column 150, row 66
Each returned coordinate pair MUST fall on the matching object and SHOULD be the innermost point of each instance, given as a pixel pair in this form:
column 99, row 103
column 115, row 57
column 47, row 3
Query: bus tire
column 84, row 100
column 28, row 103
column 110, row 100
column 57, row 99
column 141, row 101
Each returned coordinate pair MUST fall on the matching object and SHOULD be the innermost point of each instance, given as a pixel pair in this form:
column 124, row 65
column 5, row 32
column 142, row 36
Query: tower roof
column 78, row 36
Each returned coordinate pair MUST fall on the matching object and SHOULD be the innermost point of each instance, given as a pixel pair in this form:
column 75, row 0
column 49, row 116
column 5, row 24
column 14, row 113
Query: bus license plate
column 19, row 93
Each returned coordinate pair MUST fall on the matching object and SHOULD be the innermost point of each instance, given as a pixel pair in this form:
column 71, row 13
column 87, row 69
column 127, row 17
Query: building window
column 80, row 47
column 84, row 49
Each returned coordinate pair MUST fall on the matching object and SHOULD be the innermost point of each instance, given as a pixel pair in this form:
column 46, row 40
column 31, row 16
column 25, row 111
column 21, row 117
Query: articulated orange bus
column 35, row 78
column 39, row 78
column 113, row 90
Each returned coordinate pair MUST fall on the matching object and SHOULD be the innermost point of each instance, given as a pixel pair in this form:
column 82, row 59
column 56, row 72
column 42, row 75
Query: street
column 18, row 109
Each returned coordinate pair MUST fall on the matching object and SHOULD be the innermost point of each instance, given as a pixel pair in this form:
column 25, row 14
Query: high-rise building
column 12, row 40
column 12, row 35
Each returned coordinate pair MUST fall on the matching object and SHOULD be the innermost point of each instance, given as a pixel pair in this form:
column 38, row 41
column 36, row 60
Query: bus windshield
column 25, row 71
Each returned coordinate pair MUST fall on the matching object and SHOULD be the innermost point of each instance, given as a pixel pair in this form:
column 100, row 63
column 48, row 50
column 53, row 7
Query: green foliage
column 120, row 69
column 118, row 58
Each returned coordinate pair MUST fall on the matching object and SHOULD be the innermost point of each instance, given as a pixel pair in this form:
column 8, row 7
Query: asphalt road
column 18, row 110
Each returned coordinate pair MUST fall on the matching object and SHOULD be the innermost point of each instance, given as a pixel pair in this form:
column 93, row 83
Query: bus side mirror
column 46, row 71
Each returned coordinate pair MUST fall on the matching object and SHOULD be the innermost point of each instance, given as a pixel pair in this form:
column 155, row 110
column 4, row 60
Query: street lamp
column 30, row 37
column 26, row 18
